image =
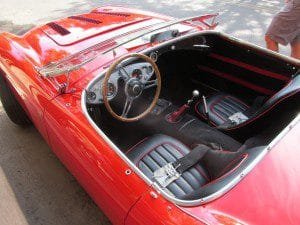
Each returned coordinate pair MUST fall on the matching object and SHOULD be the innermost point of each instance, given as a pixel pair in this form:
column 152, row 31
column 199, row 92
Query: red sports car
column 161, row 120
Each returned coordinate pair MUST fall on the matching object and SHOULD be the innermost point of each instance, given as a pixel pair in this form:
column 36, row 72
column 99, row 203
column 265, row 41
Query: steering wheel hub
column 134, row 87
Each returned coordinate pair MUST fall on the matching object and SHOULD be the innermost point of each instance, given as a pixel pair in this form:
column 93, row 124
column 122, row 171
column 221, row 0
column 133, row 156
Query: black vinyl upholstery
column 158, row 150
column 221, row 106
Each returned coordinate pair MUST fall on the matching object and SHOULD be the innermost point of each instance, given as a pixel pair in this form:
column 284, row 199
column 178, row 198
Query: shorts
column 285, row 26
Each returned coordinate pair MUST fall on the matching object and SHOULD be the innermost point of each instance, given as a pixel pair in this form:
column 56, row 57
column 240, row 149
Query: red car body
column 267, row 195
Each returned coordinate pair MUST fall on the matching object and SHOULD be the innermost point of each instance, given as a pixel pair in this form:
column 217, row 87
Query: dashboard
column 141, row 70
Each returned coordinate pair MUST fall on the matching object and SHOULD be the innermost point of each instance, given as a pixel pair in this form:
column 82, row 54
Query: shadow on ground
column 34, row 182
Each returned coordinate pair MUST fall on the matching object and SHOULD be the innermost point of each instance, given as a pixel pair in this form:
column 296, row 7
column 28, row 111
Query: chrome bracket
column 64, row 87
column 166, row 175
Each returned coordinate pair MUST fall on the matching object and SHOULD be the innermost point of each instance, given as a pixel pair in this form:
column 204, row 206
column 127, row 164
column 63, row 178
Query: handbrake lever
column 178, row 114
column 206, row 109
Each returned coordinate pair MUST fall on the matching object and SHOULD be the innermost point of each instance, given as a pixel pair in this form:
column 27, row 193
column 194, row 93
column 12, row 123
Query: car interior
column 215, row 91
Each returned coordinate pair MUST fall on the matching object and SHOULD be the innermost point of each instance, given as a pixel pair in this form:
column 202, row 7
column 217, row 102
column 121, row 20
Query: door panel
column 152, row 208
column 89, row 158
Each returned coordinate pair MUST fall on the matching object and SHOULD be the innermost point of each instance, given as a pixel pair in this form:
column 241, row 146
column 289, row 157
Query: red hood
column 269, row 194
column 59, row 39
column 74, row 29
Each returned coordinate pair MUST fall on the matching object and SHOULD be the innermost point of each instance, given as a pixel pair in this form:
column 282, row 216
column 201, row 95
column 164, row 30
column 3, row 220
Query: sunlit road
column 35, row 188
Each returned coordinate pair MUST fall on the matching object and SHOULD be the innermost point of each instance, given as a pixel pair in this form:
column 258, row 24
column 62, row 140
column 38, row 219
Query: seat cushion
column 156, row 151
column 220, row 107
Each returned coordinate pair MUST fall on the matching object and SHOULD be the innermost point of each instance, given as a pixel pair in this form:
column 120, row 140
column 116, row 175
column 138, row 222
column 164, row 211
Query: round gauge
column 111, row 90
column 154, row 56
column 91, row 96
column 137, row 73
column 150, row 70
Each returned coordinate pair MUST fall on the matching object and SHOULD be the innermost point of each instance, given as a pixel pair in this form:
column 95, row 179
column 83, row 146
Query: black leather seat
column 222, row 106
column 158, row 150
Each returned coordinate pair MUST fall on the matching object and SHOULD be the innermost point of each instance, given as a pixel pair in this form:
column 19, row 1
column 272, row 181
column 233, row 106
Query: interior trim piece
column 249, row 67
column 112, row 13
column 236, row 80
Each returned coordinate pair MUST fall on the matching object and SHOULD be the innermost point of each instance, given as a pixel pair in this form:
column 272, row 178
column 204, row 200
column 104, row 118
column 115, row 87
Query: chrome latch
column 238, row 118
column 166, row 175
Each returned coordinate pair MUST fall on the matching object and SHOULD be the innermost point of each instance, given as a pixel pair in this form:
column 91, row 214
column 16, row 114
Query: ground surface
column 35, row 188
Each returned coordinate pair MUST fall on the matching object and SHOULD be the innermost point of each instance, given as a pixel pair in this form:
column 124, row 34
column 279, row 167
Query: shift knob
column 196, row 93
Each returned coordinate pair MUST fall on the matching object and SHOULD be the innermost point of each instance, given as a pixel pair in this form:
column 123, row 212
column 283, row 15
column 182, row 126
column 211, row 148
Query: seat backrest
column 287, row 91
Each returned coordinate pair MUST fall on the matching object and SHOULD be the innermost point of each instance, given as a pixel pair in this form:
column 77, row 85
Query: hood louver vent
column 112, row 13
column 59, row 29
column 81, row 18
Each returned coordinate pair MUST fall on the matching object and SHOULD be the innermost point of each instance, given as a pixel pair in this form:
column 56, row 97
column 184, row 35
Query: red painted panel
column 158, row 211
column 90, row 159
column 269, row 194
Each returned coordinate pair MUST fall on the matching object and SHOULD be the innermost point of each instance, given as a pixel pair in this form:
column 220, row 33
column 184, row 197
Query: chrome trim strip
column 56, row 71
column 165, row 25
column 234, row 181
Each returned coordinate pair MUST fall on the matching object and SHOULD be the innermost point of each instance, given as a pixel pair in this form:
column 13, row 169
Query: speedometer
column 111, row 90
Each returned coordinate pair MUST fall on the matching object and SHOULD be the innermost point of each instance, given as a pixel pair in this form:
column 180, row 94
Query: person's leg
column 271, row 44
column 295, row 48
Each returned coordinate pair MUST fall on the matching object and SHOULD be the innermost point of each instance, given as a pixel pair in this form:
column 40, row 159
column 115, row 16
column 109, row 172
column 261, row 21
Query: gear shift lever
column 176, row 115
column 195, row 95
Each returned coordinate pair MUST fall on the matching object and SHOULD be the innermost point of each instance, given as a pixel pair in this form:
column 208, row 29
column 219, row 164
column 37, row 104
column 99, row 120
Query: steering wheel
column 134, row 87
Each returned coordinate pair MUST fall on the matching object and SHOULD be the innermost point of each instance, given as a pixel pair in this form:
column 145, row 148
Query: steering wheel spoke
column 123, row 73
column 127, row 107
column 150, row 84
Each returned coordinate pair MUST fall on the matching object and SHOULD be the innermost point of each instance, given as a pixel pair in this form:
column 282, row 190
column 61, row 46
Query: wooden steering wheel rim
column 105, row 87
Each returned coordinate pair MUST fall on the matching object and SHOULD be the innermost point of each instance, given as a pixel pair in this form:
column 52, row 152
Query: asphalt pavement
column 35, row 188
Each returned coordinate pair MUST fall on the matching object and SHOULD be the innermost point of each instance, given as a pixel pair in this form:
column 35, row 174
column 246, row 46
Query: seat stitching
column 238, row 100
column 145, row 166
column 145, row 153
column 146, row 163
column 157, row 163
column 235, row 107
column 264, row 112
column 222, row 111
column 153, row 161
column 201, row 173
column 185, row 179
column 170, row 152
column 175, row 183
column 188, row 172
column 140, row 142
column 245, row 156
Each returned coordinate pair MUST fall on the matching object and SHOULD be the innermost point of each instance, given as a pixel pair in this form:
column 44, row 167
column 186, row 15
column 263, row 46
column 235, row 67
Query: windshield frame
column 87, row 55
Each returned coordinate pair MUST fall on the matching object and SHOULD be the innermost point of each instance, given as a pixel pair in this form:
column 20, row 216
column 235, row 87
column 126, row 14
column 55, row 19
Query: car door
column 153, row 208
column 103, row 174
